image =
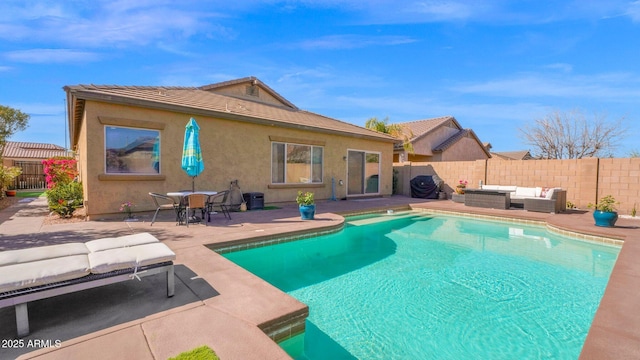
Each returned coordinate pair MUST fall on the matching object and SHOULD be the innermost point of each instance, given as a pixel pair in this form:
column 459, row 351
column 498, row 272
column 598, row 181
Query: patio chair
column 218, row 201
column 195, row 202
column 164, row 202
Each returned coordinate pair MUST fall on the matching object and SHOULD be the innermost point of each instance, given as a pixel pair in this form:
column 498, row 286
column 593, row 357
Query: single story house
column 512, row 155
column 28, row 156
column 440, row 139
column 129, row 139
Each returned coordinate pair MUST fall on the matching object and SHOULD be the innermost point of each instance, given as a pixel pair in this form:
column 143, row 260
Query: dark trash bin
column 254, row 200
column 425, row 186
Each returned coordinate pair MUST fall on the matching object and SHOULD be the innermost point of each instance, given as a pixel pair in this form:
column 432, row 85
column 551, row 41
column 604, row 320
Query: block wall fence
column 584, row 179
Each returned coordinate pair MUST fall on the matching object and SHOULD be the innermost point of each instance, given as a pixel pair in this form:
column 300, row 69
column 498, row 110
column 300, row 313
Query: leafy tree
column 571, row 135
column 11, row 121
column 394, row 130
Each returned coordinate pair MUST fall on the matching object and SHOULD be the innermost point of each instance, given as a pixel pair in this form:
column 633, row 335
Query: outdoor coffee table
column 494, row 199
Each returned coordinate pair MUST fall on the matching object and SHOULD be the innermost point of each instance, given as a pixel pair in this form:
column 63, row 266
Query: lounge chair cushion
column 129, row 257
column 47, row 271
column 120, row 242
column 41, row 253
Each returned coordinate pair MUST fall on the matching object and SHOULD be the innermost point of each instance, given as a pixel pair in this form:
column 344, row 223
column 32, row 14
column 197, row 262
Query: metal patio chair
column 218, row 201
column 164, row 202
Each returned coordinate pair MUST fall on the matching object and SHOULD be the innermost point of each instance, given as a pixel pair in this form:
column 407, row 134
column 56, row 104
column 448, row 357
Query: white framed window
column 296, row 163
column 131, row 150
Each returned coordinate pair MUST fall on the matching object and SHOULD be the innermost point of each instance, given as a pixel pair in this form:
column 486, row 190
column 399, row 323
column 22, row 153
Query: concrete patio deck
column 223, row 306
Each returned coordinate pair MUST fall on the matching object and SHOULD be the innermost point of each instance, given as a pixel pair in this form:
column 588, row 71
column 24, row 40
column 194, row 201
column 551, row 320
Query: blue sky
column 494, row 65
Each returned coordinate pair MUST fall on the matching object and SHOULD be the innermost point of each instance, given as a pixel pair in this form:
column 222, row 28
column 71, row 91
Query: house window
column 132, row 150
column 296, row 163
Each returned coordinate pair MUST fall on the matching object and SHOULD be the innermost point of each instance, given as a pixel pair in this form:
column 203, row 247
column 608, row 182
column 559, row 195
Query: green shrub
column 64, row 199
column 200, row 353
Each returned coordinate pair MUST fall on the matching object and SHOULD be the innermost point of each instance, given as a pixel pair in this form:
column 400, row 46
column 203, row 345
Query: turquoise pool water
column 435, row 287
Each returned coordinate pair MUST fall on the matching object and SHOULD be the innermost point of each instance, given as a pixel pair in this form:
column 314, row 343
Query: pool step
column 385, row 217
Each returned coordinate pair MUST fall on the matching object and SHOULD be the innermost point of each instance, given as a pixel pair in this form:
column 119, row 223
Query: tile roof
column 420, row 128
column 196, row 101
column 513, row 155
column 451, row 140
column 29, row 150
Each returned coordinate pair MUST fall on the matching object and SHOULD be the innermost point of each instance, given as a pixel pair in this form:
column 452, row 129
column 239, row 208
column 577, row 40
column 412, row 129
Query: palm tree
column 395, row 130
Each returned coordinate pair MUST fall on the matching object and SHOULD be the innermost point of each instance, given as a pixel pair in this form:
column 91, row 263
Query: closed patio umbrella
column 192, row 162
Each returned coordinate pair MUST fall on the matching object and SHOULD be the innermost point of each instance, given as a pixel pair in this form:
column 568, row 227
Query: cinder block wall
column 584, row 179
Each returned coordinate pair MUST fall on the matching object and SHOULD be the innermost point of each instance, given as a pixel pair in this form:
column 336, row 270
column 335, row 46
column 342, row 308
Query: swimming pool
column 417, row 286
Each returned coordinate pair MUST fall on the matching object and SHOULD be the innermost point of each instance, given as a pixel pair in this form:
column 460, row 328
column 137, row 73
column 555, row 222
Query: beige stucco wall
column 584, row 179
column 231, row 150
column 240, row 90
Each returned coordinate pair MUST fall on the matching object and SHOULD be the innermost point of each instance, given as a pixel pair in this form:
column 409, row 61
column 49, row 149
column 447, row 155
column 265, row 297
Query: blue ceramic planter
column 605, row 218
column 307, row 211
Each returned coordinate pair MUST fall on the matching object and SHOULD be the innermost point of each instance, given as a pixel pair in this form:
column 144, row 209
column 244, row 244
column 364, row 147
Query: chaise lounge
column 43, row 272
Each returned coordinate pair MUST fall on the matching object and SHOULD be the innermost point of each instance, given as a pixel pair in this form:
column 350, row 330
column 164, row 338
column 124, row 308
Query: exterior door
column 363, row 170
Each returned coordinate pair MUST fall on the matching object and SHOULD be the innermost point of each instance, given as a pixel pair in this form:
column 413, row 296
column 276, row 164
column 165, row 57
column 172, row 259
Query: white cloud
column 51, row 56
column 633, row 11
column 613, row 86
column 333, row 42
column 105, row 23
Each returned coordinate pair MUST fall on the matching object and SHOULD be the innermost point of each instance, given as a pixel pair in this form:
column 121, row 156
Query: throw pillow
column 543, row 192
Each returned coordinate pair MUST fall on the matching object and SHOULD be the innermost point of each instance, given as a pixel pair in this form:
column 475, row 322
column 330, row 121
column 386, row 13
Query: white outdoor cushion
column 41, row 253
column 490, row 187
column 507, row 188
column 129, row 257
column 153, row 254
column 35, row 273
column 122, row 241
column 538, row 191
column 550, row 192
column 525, row 191
column 110, row 260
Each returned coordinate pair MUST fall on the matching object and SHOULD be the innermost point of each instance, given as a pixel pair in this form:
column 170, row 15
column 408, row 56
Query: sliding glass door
column 363, row 172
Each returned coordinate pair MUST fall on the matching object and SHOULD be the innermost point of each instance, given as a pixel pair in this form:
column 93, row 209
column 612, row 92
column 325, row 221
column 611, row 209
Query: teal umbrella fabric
column 192, row 162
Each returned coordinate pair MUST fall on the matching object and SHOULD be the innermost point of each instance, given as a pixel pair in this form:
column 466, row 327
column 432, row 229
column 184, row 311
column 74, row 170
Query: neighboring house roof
column 205, row 101
column 421, row 128
column 455, row 138
column 513, row 155
column 29, row 150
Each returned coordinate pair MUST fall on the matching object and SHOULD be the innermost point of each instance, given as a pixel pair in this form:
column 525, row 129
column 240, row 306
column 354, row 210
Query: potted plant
column 462, row 184
column 604, row 212
column 126, row 208
column 306, row 205
column 7, row 176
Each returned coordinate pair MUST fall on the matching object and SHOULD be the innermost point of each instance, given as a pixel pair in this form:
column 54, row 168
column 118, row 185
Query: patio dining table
column 180, row 196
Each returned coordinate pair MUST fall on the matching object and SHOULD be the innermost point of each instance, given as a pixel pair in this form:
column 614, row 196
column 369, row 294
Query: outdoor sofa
column 539, row 199
column 43, row 272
